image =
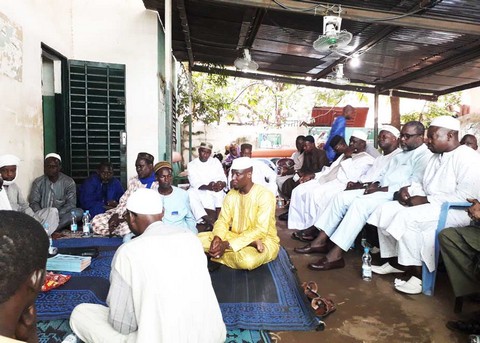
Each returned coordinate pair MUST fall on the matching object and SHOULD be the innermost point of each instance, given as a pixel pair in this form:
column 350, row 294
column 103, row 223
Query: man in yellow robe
column 244, row 235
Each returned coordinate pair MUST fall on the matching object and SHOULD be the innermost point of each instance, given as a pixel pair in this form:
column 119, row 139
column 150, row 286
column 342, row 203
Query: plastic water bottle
column 367, row 265
column 73, row 226
column 86, row 224
column 51, row 249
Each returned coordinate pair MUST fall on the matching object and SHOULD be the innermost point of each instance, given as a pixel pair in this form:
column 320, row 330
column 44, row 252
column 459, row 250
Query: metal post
column 375, row 119
column 168, row 80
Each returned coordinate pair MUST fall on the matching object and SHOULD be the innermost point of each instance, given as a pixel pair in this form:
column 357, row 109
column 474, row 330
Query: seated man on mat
column 461, row 254
column 150, row 297
column 101, row 191
column 111, row 222
column 245, row 235
column 16, row 201
column 175, row 200
column 55, row 191
column 23, row 251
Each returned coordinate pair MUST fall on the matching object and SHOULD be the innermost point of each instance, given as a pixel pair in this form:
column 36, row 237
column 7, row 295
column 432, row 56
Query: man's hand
column 114, row 221
column 217, row 247
column 306, row 177
column 112, row 204
column 353, row 185
column 417, row 200
column 403, row 196
column 348, row 152
column 474, row 210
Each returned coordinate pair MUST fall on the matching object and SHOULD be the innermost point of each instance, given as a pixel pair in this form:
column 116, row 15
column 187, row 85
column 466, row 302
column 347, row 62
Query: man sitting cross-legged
column 23, row 255
column 15, row 199
column 111, row 222
column 157, row 292
column 55, row 191
column 175, row 200
column 346, row 215
column 245, row 235
column 406, row 227
column 101, row 191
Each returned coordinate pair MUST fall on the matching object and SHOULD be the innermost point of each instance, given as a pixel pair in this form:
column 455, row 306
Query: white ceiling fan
column 333, row 38
column 245, row 63
column 337, row 77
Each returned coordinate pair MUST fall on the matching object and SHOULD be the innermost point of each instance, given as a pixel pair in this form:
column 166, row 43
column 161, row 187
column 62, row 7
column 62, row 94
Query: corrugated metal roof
column 426, row 46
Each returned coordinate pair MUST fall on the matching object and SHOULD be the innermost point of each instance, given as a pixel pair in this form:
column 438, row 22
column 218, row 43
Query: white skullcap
column 241, row 163
column 360, row 135
column 145, row 201
column 392, row 129
column 9, row 160
column 54, row 155
column 446, row 122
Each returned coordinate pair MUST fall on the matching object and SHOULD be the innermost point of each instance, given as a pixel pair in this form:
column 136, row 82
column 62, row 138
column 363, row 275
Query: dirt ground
column 373, row 311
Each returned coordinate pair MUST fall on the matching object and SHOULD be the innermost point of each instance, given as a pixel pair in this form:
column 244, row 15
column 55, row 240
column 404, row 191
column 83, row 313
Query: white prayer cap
column 145, row 201
column 360, row 135
column 241, row 163
column 9, row 160
column 54, row 155
column 446, row 122
column 392, row 129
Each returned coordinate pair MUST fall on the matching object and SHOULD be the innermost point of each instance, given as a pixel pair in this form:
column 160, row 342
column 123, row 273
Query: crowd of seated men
column 397, row 194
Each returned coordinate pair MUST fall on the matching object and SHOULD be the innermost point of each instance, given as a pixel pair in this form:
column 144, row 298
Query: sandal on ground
column 310, row 289
column 323, row 306
column 471, row 327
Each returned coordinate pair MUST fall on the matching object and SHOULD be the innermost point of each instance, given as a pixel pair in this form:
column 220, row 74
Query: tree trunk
column 395, row 108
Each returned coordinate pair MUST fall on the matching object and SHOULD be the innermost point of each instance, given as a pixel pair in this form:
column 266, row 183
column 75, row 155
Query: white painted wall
column 112, row 31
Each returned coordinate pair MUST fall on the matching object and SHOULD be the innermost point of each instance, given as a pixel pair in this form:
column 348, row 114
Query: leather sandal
column 310, row 289
column 323, row 306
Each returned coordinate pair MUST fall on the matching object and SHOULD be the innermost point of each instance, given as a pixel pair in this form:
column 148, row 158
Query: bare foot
column 258, row 245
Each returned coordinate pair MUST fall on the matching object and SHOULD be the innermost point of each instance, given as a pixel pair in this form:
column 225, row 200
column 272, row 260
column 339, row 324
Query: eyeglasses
column 407, row 136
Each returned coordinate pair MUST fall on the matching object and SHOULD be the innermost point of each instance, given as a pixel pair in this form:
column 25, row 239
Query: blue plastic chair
column 428, row 278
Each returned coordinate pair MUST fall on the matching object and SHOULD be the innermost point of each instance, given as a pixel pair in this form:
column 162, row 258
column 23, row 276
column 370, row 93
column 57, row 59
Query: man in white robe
column 346, row 215
column 311, row 197
column 406, row 228
column 207, row 182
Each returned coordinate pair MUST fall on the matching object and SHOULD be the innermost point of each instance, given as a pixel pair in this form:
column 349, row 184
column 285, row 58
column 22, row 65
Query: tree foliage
column 445, row 106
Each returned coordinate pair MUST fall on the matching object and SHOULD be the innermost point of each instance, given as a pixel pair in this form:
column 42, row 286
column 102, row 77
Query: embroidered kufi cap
column 241, row 163
column 162, row 164
column 54, row 155
column 446, row 122
column 205, row 145
column 145, row 156
column 360, row 135
column 9, row 160
column 145, row 201
column 392, row 129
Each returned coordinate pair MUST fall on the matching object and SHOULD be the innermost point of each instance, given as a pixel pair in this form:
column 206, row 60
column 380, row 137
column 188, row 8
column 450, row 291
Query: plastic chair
column 428, row 278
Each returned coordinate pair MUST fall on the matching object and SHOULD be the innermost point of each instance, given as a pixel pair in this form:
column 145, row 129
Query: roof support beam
column 463, row 57
column 367, row 15
column 186, row 29
column 283, row 79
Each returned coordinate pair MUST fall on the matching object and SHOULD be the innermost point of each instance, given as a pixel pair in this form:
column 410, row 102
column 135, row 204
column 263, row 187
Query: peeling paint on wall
column 11, row 49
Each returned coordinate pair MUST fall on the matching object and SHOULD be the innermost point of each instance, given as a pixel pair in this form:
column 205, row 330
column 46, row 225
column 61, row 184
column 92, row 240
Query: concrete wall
column 111, row 31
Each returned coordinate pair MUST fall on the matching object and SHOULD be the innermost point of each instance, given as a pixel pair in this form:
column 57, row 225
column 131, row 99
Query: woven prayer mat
column 54, row 331
column 266, row 298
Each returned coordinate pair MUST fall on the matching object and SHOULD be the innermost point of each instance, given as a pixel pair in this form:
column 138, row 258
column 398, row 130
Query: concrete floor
column 373, row 311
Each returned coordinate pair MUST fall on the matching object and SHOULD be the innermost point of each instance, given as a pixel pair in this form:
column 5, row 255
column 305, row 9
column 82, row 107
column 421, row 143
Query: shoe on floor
column 412, row 286
column 398, row 282
column 386, row 268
